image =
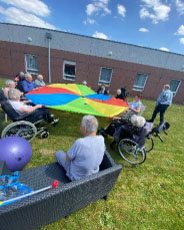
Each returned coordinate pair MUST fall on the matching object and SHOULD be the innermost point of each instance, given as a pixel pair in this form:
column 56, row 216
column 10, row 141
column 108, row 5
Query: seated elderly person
column 135, row 107
column 28, row 84
column 119, row 95
column 34, row 113
column 122, row 93
column 103, row 90
column 18, row 80
column 86, row 154
column 19, row 77
column 135, row 129
column 39, row 81
column 9, row 84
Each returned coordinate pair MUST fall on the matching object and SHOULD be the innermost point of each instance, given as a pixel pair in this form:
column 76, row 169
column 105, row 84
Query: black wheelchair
column 133, row 143
column 21, row 126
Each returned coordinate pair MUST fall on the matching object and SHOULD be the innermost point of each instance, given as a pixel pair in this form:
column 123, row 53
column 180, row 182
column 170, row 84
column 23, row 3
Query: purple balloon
column 16, row 152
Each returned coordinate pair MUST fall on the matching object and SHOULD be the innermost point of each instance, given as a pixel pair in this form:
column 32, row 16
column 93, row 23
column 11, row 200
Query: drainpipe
column 49, row 37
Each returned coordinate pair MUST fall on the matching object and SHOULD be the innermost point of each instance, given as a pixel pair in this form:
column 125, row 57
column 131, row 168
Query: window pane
column 69, row 70
column 31, row 63
column 174, row 85
column 140, row 82
column 105, row 75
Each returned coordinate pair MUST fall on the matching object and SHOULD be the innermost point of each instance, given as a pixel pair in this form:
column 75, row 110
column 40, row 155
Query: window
column 69, row 70
column 174, row 86
column 31, row 63
column 140, row 82
column 105, row 75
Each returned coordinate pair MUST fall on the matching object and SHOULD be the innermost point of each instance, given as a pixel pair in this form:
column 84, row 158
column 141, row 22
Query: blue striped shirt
column 165, row 97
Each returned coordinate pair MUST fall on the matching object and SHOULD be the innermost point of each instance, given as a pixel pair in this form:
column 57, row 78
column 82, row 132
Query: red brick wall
column 87, row 68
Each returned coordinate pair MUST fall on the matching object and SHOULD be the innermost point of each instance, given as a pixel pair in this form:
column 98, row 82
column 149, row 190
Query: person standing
column 163, row 102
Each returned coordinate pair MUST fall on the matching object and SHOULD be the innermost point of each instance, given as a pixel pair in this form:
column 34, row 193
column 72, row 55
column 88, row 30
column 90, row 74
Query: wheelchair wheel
column 24, row 129
column 149, row 144
column 130, row 152
column 44, row 134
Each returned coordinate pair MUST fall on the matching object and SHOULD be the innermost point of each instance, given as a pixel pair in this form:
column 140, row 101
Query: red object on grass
column 55, row 184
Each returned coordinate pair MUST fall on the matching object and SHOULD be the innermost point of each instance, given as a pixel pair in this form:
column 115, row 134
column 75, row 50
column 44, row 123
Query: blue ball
column 15, row 152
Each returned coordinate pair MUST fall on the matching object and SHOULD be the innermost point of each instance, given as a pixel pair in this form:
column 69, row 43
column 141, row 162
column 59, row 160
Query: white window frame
column 102, row 81
column 175, row 92
column 31, row 70
column 138, row 87
column 69, row 77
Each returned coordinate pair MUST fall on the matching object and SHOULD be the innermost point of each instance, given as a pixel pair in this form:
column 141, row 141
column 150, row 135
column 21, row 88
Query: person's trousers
column 113, row 126
column 61, row 159
column 40, row 114
column 159, row 109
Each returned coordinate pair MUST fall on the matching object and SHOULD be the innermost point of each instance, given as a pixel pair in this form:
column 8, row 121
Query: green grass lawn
column 150, row 196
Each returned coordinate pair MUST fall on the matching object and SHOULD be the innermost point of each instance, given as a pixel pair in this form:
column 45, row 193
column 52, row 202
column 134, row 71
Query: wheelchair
column 21, row 126
column 134, row 145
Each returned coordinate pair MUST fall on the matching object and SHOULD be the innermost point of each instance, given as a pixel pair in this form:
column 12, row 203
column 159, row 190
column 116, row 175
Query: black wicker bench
column 45, row 207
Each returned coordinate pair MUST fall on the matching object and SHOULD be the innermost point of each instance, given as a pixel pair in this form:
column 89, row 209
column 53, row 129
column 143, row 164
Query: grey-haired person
column 31, row 113
column 28, row 84
column 9, row 84
column 135, row 129
column 86, row 154
column 39, row 81
column 163, row 102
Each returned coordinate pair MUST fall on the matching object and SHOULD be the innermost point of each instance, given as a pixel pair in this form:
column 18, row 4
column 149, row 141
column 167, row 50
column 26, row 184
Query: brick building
column 67, row 57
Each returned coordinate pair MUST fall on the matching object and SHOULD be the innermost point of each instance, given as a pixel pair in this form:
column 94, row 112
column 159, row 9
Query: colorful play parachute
column 77, row 98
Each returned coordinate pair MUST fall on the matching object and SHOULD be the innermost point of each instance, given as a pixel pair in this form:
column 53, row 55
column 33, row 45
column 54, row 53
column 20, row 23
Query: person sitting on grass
column 34, row 113
column 86, row 154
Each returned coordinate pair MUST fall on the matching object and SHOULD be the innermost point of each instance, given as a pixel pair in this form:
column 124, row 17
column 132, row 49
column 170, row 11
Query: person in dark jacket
column 103, row 90
column 122, row 94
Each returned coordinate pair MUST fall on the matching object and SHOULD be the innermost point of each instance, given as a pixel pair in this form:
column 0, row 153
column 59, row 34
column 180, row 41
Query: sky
column 157, row 24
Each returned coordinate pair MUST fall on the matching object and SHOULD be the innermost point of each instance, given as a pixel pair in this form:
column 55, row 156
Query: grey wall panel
column 92, row 46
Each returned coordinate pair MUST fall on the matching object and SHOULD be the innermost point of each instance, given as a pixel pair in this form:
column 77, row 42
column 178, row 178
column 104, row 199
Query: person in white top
column 33, row 112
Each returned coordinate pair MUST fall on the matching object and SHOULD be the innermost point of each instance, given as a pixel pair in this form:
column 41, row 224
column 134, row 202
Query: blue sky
column 156, row 24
